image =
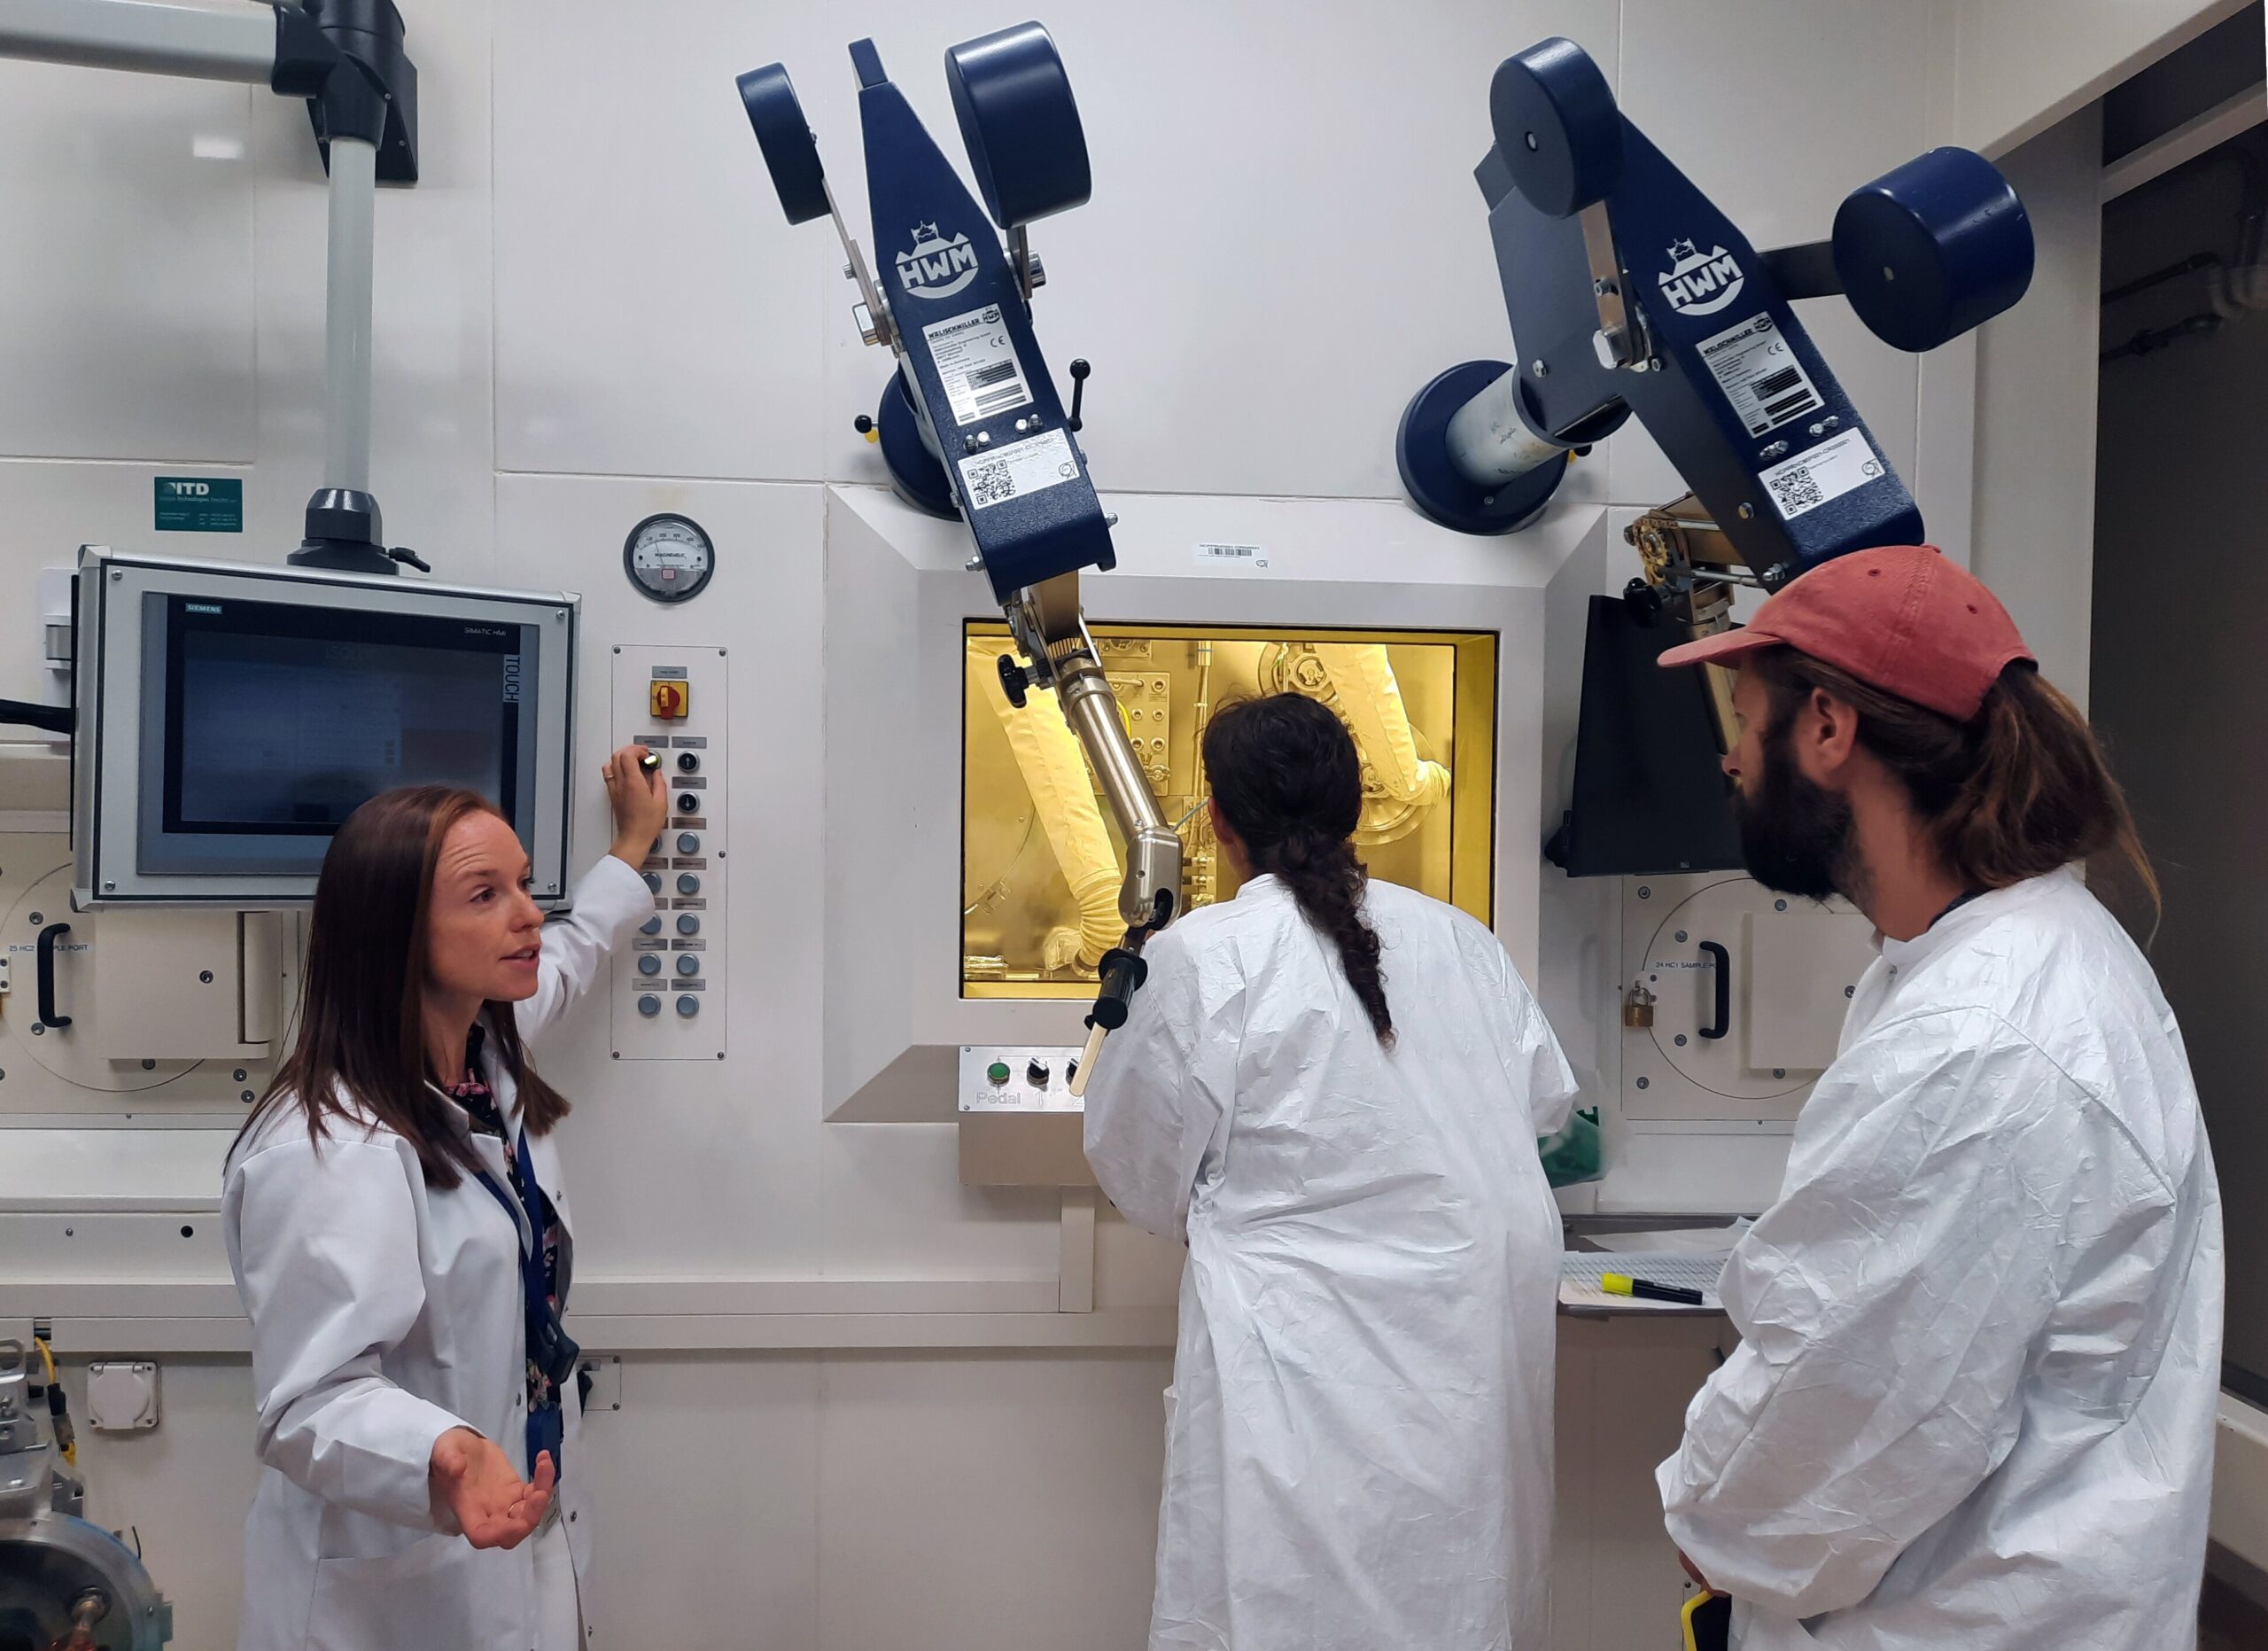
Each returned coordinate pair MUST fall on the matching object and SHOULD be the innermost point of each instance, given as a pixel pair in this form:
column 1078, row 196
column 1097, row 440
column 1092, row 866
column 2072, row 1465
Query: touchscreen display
column 283, row 719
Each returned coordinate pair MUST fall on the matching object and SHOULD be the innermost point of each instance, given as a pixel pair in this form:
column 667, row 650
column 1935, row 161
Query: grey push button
column 688, row 843
column 649, row 964
column 688, row 1006
column 652, row 925
column 649, row 1005
column 686, row 963
column 688, row 882
column 687, row 924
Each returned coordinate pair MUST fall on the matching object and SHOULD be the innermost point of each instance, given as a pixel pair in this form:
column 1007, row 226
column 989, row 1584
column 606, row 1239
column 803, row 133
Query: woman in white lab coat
column 401, row 1237
column 1331, row 1089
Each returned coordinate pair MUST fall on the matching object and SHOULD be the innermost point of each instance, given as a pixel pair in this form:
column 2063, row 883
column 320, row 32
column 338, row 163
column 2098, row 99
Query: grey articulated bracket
column 142, row 38
column 345, row 58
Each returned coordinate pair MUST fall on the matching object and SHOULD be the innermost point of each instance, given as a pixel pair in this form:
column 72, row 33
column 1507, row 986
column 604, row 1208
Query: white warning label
column 1019, row 468
column 977, row 360
column 1835, row 467
column 1223, row 553
column 1760, row 375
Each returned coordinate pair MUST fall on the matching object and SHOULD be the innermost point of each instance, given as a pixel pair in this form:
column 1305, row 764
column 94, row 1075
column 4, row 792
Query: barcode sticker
column 1760, row 375
column 976, row 360
column 1212, row 553
column 1018, row 470
column 1835, row 467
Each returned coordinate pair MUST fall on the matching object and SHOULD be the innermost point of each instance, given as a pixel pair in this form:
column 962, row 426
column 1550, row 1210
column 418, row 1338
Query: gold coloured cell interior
column 1042, row 859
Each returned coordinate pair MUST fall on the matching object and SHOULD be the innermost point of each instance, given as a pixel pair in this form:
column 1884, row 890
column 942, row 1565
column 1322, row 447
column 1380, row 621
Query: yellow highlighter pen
column 1646, row 1290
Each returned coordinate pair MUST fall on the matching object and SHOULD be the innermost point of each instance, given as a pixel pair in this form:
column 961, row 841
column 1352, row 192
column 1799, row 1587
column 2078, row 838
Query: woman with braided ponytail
column 1331, row 1090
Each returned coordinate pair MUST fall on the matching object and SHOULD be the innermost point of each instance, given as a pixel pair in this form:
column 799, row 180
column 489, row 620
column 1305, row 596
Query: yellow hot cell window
column 1042, row 859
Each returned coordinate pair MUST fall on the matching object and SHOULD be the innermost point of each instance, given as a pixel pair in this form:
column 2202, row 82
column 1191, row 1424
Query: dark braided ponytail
column 1286, row 775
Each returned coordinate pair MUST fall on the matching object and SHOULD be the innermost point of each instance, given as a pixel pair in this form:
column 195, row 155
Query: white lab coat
column 1358, row 1439
column 385, row 1313
column 1974, row 1403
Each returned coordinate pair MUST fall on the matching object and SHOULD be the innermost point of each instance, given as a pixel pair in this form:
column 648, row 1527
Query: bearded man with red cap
column 1974, row 1399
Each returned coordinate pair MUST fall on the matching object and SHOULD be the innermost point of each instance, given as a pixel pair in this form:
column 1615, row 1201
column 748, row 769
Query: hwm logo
column 933, row 268
column 1699, row 283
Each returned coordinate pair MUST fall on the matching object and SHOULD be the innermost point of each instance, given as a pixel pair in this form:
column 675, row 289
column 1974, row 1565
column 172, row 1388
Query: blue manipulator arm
column 1629, row 291
column 970, row 424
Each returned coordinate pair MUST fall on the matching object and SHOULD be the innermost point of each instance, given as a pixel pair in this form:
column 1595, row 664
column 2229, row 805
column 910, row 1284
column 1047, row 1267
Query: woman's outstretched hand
column 495, row 1507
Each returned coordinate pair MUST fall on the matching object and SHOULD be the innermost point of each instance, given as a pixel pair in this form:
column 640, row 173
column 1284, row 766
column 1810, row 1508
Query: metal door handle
column 47, row 939
column 1722, row 1021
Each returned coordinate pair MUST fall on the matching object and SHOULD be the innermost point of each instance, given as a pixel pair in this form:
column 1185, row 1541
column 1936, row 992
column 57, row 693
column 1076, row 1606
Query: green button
column 997, row 1071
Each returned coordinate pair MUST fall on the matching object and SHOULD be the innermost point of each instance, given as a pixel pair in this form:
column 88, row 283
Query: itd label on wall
column 200, row 504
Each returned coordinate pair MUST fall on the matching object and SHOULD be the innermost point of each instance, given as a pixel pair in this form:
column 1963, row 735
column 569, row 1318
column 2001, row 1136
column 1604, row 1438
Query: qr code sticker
column 989, row 484
column 1797, row 492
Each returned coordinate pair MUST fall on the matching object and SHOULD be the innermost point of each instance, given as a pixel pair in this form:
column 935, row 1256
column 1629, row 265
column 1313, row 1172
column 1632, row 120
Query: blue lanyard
column 550, row 1348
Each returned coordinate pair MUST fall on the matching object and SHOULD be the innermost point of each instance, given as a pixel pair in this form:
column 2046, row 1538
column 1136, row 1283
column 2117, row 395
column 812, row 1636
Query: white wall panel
column 1776, row 109
column 654, row 314
column 694, row 1171
column 2036, row 385
column 49, row 509
column 126, row 268
column 180, row 1491
column 945, row 1486
column 896, row 1209
column 2023, row 65
column 1623, row 1384
column 707, row 1502
column 800, row 1502
column 1283, row 243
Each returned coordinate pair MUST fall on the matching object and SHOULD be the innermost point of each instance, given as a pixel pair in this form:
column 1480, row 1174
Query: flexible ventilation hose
column 1371, row 700
column 1055, row 770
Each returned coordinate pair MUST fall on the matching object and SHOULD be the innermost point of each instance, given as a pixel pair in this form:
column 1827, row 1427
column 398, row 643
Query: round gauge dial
column 668, row 557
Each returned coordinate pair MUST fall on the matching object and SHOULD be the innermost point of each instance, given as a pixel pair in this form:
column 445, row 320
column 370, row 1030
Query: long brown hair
column 1285, row 774
column 2020, row 789
column 360, row 1050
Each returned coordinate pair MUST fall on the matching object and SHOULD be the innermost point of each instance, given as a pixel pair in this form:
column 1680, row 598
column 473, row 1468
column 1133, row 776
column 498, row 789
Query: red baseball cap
column 1903, row 618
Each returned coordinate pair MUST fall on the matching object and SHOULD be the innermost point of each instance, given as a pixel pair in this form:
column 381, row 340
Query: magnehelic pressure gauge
column 668, row 557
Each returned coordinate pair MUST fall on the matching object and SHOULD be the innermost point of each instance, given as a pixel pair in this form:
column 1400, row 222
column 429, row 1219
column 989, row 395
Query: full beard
column 1796, row 838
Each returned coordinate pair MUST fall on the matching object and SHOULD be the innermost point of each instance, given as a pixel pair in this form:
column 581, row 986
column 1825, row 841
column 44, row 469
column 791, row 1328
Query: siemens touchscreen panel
column 239, row 715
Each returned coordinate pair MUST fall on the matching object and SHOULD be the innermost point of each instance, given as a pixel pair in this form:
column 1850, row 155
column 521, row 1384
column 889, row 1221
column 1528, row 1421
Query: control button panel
column 1018, row 1077
column 674, row 701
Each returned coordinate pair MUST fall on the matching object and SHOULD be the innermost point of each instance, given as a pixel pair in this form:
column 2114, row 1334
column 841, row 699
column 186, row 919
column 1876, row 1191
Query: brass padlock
column 1638, row 1009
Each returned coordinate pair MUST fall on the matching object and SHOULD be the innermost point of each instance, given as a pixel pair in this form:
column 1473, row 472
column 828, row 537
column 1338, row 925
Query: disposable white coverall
column 1974, row 1402
column 384, row 1313
column 1358, row 1440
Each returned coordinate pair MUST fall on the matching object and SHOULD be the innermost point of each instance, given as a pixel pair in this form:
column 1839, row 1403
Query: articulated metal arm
column 971, row 424
column 1053, row 634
